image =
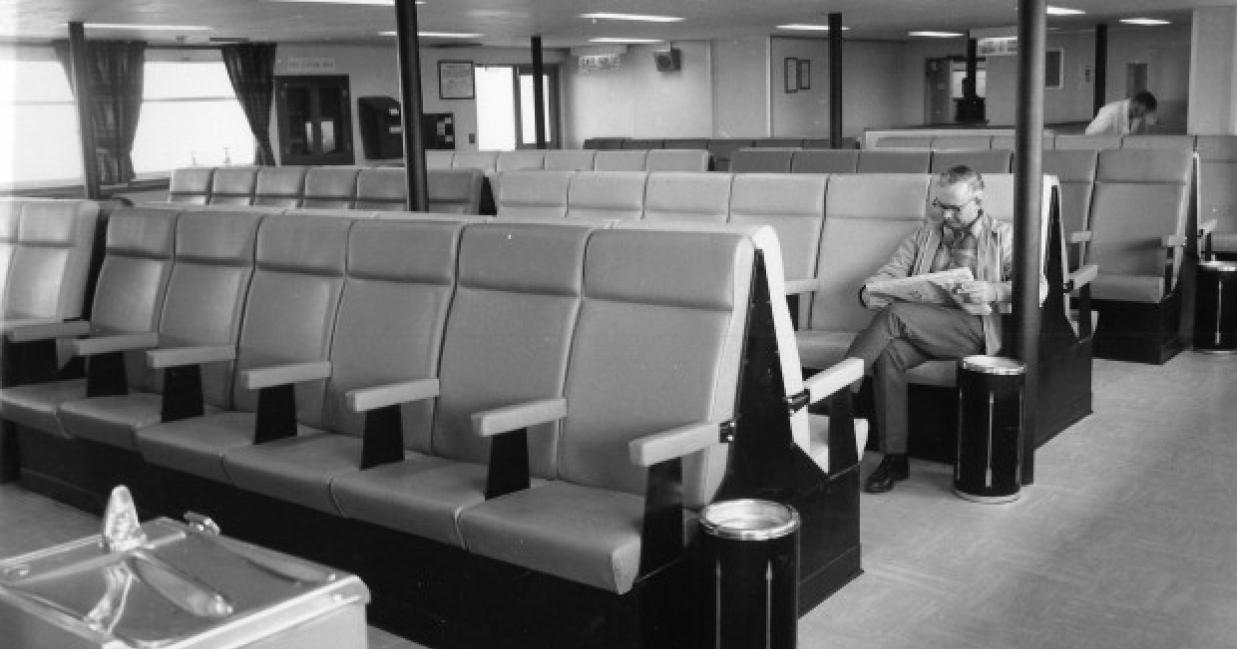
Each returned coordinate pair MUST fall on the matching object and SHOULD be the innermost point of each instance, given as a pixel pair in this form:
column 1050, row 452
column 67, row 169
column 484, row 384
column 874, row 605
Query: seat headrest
column 234, row 180
column 883, row 196
column 778, row 194
column 524, row 257
column 332, row 182
column 404, row 251
column 54, row 223
column 1144, row 166
column 607, row 189
column 520, row 159
column 142, row 232
column 304, row 243
column 1217, row 147
column 704, row 193
column 381, row 183
column 484, row 160
column 281, row 181
column 191, row 179
column 695, row 270
column 10, row 217
column 217, row 237
column 1076, row 166
column 452, row 184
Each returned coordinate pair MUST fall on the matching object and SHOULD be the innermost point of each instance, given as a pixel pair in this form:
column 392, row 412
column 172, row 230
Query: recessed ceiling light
column 932, row 34
column 642, row 18
column 1145, row 22
column 1064, row 11
column 628, row 41
column 150, row 28
column 803, row 27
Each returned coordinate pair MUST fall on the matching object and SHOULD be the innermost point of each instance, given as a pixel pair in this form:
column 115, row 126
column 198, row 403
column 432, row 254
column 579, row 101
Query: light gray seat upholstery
column 825, row 161
column 677, row 160
column 1010, row 142
column 1142, row 141
column 439, row 159
column 486, row 161
column 1218, row 189
column 793, row 204
column 190, row 185
column 622, row 160
column 233, row 186
column 128, row 299
column 722, row 149
column 643, row 143
column 684, row 196
column 389, row 328
column 606, row 194
column 905, row 142
column 903, row 161
column 985, row 161
column 381, row 188
column 288, row 319
column 330, row 187
column 202, row 307
column 679, row 328
column 533, row 194
column 280, row 186
column 1094, row 142
column 10, row 220
column 701, row 143
column 569, row 159
column 778, row 143
column 46, row 260
column 1075, row 169
column 459, row 190
column 506, row 343
column 943, row 142
column 520, row 160
column 761, row 160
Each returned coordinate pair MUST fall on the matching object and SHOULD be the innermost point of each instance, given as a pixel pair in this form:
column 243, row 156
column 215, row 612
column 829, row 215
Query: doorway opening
column 505, row 115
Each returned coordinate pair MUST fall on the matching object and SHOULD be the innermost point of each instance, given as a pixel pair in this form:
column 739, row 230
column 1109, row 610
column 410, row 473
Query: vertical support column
column 1101, row 68
column 538, row 92
column 410, row 104
column 970, row 88
column 835, row 80
column 1028, row 197
column 80, row 79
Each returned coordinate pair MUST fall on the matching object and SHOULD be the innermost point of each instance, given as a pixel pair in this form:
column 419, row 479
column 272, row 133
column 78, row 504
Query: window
column 190, row 116
column 39, row 143
column 1054, row 69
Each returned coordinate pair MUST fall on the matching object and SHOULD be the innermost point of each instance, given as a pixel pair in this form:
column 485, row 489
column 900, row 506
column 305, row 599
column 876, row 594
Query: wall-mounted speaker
column 667, row 60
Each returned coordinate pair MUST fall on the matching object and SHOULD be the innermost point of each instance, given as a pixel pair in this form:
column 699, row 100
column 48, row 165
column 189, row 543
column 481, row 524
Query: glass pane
column 331, row 111
column 528, row 134
column 186, row 80
column 300, row 121
column 185, row 133
column 31, row 81
column 495, row 108
column 50, row 130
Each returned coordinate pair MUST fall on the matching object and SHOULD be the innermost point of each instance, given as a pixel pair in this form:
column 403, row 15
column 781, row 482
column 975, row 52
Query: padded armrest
column 271, row 376
column 1172, row 241
column 117, row 343
column 669, row 444
column 797, row 286
column 1080, row 236
column 1207, row 227
column 837, row 377
column 24, row 331
column 489, row 423
column 159, row 359
column 391, row 394
column 1082, row 276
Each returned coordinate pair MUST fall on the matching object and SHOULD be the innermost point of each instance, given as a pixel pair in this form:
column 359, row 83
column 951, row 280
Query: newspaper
column 928, row 288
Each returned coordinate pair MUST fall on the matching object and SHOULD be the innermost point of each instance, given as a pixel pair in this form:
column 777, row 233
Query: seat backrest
column 290, row 308
column 878, row 210
column 603, row 143
column 687, row 196
column 825, row 161
column 533, row 194
column 486, row 161
column 677, row 160
column 662, row 326
column 606, row 194
column 381, row 188
column 1143, row 141
column 1009, row 142
column 206, row 289
column 520, row 160
column 330, row 187
column 1075, row 170
column 132, row 282
column 643, row 143
column 439, row 158
column 190, row 185
column 723, row 148
column 1096, row 142
column 1140, row 196
column 778, row 143
column 509, row 332
column 905, row 142
column 389, row 327
column 701, row 143
column 10, row 218
column 1218, row 181
column 280, row 186
column 985, row 161
column 233, row 186
column 962, row 142
column 49, row 258
column 757, row 160
column 569, row 159
column 457, row 190
column 623, row 160
column 794, row 205
column 904, row 161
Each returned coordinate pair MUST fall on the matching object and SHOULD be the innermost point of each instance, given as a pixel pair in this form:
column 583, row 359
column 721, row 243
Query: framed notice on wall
column 455, row 80
column 790, row 69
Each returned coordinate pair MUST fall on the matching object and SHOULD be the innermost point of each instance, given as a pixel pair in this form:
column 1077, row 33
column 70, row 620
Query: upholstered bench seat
column 197, row 445
column 114, row 420
column 35, row 405
column 1129, row 288
column 295, row 469
column 819, row 349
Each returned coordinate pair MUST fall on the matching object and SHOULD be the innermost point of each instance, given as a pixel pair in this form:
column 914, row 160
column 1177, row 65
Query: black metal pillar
column 82, row 94
column 410, row 104
column 835, row 80
column 971, row 89
column 1028, row 193
column 538, row 92
column 1101, row 67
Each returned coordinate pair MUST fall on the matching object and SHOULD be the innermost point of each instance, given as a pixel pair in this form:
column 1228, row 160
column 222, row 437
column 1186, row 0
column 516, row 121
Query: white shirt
column 1112, row 119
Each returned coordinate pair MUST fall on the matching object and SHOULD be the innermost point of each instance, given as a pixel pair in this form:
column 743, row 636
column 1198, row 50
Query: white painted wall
column 740, row 87
column 1213, row 89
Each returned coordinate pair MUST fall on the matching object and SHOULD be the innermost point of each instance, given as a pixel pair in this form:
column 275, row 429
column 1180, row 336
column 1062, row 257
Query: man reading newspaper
column 936, row 299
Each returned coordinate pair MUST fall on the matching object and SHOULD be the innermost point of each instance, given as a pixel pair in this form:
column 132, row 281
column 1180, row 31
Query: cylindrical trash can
column 748, row 569
column 1215, row 317
column 988, row 462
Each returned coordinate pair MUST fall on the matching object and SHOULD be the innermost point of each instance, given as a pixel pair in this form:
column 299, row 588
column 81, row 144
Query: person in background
column 1134, row 115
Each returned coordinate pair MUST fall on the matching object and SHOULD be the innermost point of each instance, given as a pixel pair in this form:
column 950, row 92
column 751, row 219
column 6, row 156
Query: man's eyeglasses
column 951, row 209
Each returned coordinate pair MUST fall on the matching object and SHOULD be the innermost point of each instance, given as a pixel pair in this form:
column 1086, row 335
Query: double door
column 315, row 120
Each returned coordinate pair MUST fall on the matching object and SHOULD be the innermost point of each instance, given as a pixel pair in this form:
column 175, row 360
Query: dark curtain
column 114, row 78
column 251, row 67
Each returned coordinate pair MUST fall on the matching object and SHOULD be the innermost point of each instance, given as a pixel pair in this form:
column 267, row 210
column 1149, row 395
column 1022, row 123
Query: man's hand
column 976, row 292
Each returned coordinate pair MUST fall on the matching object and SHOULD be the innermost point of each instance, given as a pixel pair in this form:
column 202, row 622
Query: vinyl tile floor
column 1128, row 538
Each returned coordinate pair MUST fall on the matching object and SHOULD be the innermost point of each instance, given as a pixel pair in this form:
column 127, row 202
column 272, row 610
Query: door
column 505, row 107
column 315, row 120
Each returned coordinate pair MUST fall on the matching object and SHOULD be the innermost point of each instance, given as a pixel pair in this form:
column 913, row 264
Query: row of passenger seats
column 374, row 188
column 571, row 160
column 1051, row 141
column 757, row 160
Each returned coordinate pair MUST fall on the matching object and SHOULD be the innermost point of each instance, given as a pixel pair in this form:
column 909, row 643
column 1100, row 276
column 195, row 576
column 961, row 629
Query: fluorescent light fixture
column 437, row 34
column 1064, row 11
column 625, row 41
column 932, row 34
column 804, row 27
column 149, row 28
column 640, row 18
column 383, row 3
column 1145, row 22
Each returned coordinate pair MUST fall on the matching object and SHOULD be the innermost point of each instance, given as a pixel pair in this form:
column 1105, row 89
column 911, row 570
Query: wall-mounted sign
column 999, row 46
column 308, row 65
column 592, row 62
column 455, row 80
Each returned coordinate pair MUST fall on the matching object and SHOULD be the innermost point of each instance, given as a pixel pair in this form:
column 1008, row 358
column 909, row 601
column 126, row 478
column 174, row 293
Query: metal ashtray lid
column 749, row 520
column 997, row 365
column 1217, row 266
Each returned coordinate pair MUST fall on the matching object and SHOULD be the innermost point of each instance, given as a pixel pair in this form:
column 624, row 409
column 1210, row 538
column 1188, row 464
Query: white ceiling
column 512, row 22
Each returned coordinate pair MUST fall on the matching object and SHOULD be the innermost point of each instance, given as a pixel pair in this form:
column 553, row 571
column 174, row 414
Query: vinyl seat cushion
column 295, row 469
column 36, row 405
column 114, row 420
column 197, row 445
